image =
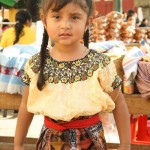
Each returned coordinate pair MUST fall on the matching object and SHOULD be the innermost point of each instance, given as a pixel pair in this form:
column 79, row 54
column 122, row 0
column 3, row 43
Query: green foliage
column 12, row 3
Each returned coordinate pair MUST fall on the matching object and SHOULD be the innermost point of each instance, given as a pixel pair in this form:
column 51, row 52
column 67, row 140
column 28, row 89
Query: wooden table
column 10, row 101
column 136, row 105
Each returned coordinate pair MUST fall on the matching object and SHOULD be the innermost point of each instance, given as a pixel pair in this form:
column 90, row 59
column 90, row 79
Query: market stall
column 117, row 50
column 12, row 61
column 136, row 104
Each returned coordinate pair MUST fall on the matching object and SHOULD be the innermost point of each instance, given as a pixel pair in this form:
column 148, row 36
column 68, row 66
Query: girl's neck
column 68, row 53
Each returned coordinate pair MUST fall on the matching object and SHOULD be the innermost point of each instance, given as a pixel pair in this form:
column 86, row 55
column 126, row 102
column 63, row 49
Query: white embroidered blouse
column 73, row 88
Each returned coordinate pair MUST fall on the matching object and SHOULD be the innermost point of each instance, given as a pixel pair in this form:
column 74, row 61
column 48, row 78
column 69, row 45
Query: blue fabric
column 12, row 64
column 17, row 61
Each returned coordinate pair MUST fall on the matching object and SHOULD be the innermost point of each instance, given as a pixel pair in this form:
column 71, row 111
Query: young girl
column 70, row 84
column 21, row 33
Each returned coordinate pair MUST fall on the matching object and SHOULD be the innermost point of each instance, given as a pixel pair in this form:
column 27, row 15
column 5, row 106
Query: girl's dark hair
column 41, row 80
column 21, row 18
column 86, row 38
column 56, row 5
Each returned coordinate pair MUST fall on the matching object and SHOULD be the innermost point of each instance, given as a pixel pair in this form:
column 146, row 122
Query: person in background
column 58, row 84
column 137, row 21
column 131, row 20
column 124, row 16
column 21, row 33
column 144, row 23
column 131, row 13
column 5, row 26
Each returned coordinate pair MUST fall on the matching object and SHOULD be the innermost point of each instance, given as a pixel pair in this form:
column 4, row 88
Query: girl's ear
column 43, row 20
column 89, row 22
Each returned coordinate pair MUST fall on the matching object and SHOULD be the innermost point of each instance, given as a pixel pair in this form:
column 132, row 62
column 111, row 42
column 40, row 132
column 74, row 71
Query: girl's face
column 67, row 25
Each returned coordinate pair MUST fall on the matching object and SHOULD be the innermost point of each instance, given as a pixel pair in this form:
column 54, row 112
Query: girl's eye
column 56, row 17
column 75, row 17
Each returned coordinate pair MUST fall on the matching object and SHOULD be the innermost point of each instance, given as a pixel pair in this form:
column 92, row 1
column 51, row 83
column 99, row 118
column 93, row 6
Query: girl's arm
column 23, row 122
column 122, row 119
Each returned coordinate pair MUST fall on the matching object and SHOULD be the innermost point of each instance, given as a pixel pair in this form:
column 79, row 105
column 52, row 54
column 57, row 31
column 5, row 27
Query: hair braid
column 18, row 31
column 41, row 80
column 21, row 19
column 86, row 38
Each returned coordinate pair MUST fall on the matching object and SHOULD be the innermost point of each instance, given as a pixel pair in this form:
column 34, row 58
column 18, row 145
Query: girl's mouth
column 65, row 35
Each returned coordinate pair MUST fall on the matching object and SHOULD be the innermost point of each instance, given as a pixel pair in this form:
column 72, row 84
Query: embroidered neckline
column 69, row 71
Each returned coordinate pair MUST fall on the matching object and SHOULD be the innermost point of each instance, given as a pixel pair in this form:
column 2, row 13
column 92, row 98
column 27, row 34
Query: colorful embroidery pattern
column 117, row 82
column 10, row 71
column 69, row 71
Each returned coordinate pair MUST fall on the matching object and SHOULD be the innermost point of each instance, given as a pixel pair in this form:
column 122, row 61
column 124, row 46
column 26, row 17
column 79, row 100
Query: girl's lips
column 65, row 34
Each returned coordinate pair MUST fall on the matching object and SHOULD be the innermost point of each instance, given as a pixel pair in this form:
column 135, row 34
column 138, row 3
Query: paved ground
column 8, row 125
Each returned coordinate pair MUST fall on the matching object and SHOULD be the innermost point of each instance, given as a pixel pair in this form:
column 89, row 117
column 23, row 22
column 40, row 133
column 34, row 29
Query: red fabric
column 75, row 124
column 10, row 71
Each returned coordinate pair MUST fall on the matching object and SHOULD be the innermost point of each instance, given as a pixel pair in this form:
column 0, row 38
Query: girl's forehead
column 69, row 7
column 57, row 5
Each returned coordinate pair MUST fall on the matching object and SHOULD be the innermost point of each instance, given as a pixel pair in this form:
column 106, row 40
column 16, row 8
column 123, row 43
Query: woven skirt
column 90, row 138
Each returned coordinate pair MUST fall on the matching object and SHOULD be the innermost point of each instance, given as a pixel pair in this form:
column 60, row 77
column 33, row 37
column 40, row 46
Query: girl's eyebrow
column 71, row 14
column 53, row 11
column 76, row 14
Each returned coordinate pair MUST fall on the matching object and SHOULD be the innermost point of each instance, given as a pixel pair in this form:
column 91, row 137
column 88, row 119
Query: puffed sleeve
column 108, row 77
column 31, row 69
column 25, row 77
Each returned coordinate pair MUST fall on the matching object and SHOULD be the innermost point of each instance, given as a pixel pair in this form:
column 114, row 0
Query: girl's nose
column 65, row 24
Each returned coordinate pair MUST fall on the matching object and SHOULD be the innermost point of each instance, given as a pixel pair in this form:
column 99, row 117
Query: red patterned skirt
column 89, row 138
